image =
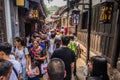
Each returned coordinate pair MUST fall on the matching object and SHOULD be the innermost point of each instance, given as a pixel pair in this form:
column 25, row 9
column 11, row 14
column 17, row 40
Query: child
column 33, row 71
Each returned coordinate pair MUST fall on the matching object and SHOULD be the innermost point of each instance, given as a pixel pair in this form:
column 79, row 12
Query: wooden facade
column 103, row 35
column 3, row 36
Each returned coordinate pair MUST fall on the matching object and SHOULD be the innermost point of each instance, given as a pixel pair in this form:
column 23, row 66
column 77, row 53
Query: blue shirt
column 40, row 44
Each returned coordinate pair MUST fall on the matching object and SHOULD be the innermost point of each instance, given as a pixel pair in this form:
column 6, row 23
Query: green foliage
column 47, row 11
column 53, row 8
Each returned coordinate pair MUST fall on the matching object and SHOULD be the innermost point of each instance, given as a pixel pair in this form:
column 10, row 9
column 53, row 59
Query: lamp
column 75, row 18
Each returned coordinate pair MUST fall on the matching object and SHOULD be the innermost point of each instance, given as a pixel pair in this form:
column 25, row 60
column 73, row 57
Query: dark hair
column 5, row 66
column 36, row 41
column 5, row 47
column 52, row 35
column 72, row 37
column 36, row 35
column 21, row 40
column 73, row 34
column 34, row 62
column 99, row 67
column 65, row 40
column 55, row 69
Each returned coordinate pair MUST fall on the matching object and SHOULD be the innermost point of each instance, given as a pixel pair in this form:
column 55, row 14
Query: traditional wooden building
column 3, row 36
column 32, row 19
column 5, row 21
column 15, row 20
column 62, row 18
column 105, row 32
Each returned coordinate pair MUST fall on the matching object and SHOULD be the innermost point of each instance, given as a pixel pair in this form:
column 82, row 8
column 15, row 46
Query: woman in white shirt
column 21, row 55
column 51, row 45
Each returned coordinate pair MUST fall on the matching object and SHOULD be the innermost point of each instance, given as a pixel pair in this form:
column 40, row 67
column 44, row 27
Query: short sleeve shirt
column 22, row 56
column 67, row 56
column 17, row 67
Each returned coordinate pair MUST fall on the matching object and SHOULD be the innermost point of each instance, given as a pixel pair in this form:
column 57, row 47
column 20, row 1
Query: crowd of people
column 23, row 60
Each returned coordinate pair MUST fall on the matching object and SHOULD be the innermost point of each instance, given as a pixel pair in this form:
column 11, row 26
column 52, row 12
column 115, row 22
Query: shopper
column 56, row 69
column 67, row 55
column 5, row 50
column 21, row 54
column 5, row 69
column 98, row 68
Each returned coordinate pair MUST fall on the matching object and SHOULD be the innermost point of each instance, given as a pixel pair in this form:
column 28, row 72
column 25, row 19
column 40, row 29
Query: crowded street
column 59, row 39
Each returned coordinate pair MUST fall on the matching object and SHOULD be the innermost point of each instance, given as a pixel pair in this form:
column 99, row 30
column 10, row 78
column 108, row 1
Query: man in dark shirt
column 67, row 55
column 56, row 69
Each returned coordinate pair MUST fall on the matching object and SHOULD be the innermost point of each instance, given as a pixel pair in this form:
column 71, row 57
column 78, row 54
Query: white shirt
column 51, row 47
column 21, row 56
column 32, row 71
column 62, row 30
column 17, row 67
column 58, row 37
column 12, row 56
column 28, row 38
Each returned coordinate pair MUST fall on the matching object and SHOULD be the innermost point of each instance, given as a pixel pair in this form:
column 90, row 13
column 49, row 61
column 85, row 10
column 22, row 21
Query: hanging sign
column 106, row 10
column 35, row 13
column 20, row 2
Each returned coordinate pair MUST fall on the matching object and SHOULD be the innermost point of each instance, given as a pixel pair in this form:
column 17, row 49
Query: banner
column 106, row 12
column 20, row 2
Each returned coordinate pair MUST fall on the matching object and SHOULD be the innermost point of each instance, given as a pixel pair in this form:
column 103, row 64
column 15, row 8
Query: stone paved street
column 79, row 66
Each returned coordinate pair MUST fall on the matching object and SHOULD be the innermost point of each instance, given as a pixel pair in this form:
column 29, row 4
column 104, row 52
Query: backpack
column 23, row 50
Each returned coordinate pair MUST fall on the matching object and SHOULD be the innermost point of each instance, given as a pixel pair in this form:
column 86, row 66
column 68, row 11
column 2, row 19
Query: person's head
column 18, row 41
column 65, row 40
column 33, row 63
column 39, row 39
column 5, row 69
column 35, row 43
column 52, row 35
column 5, row 49
column 71, row 37
column 74, row 34
column 56, row 69
column 36, row 35
column 99, row 67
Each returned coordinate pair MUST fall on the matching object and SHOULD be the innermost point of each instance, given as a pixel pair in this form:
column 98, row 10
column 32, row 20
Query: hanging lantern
column 75, row 15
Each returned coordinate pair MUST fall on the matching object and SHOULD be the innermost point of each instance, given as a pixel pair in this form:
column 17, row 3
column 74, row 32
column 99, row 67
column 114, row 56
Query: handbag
column 44, row 67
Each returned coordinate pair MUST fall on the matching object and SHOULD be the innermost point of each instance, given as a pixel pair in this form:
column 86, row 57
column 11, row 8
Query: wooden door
column 3, row 35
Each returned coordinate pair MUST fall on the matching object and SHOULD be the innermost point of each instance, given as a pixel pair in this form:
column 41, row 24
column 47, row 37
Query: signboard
column 106, row 10
column 20, row 2
column 76, row 19
column 35, row 13
column 75, row 16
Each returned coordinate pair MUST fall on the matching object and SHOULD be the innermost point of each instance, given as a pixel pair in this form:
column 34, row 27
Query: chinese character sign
column 106, row 10
column 20, row 2
column 35, row 14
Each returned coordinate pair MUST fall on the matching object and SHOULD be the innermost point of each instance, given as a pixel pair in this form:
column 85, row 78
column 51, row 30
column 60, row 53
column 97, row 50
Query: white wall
column 8, row 21
column 14, row 20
